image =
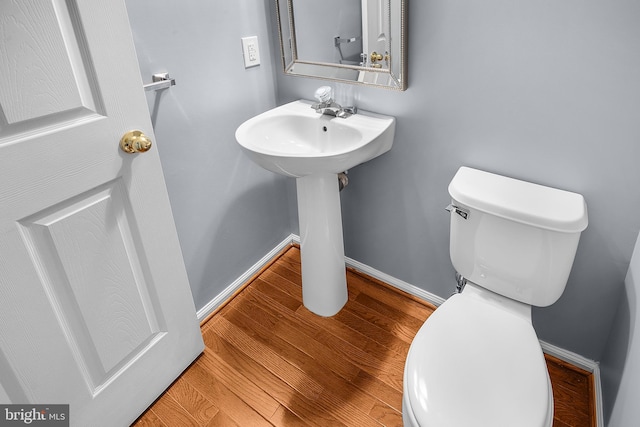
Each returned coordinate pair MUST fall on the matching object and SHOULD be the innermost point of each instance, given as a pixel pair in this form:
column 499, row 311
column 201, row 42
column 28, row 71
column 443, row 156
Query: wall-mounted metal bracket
column 160, row 81
column 337, row 41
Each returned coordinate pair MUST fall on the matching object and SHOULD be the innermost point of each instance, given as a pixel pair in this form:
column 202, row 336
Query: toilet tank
column 513, row 237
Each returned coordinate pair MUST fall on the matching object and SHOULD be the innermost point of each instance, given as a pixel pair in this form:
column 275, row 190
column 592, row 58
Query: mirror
column 356, row 41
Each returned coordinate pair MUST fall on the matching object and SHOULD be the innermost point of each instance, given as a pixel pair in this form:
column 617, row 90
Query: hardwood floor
column 269, row 361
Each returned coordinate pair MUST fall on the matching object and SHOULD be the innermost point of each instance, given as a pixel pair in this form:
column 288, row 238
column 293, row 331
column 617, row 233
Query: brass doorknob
column 375, row 57
column 135, row 142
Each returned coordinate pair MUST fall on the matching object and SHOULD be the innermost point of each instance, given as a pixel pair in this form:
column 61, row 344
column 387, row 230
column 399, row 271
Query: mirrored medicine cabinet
column 355, row 41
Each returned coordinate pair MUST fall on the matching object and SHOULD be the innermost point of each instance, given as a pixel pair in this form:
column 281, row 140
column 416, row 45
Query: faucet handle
column 324, row 94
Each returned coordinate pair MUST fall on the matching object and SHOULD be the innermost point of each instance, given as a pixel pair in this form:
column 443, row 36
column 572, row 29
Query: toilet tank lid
column 520, row 201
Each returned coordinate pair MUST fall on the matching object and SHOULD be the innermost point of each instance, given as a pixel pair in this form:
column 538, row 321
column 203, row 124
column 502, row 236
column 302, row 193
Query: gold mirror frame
column 393, row 77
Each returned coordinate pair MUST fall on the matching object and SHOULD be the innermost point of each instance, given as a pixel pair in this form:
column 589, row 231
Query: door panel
column 85, row 254
column 46, row 66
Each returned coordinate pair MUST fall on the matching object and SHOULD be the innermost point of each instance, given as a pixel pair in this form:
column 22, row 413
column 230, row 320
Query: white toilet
column 477, row 360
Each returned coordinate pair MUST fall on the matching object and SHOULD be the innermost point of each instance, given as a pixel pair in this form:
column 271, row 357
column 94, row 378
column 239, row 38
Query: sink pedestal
column 324, row 282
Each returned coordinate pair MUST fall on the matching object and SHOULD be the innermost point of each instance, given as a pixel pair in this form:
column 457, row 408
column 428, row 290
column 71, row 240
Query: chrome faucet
column 327, row 106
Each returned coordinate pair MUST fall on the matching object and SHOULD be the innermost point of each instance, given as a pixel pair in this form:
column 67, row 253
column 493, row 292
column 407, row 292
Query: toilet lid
column 474, row 363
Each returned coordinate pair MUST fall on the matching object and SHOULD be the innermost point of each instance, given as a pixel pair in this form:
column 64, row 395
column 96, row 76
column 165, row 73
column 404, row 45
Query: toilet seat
column 477, row 362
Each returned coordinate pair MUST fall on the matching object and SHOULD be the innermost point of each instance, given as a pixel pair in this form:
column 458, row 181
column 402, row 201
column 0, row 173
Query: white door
column 95, row 307
column 375, row 29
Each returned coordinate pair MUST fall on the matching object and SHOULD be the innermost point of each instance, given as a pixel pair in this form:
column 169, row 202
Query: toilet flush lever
column 464, row 213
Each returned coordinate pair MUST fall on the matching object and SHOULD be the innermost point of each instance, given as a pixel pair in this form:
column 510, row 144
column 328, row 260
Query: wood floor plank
column 233, row 406
column 240, row 385
column 292, row 260
column 172, row 413
column 571, row 378
column 283, row 417
column 303, row 340
column 387, row 417
column 311, row 411
column 149, row 419
column 400, row 318
column 570, row 386
column 395, row 298
column 346, row 335
column 322, row 370
column 341, row 392
column 385, row 364
column 275, row 291
column 223, row 420
column 200, row 408
column 372, row 325
column 343, row 331
column 344, row 411
column 373, row 364
column 287, row 273
column 560, row 423
column 286, row 395
column 383, row 391
column 255, row 298
column 314, row 413
column 268, row 361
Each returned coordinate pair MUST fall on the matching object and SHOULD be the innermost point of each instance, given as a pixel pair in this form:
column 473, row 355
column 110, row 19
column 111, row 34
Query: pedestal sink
column 293, row 140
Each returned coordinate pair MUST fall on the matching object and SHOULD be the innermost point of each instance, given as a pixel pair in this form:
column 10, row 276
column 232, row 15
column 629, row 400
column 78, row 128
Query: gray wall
column 228, row 211
column 543, row 91
column 317, row 31
column 620, row 365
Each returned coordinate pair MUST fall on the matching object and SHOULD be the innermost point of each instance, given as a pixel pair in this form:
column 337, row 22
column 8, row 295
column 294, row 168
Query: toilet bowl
column 477, row 360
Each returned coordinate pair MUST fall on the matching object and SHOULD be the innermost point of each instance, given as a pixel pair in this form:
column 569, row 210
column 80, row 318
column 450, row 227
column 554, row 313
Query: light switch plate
column 251, row 51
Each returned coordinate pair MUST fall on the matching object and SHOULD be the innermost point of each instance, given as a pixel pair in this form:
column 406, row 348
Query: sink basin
column 294, row 140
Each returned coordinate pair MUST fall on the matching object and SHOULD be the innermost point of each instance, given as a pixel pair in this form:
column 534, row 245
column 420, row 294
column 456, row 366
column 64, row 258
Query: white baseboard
column 568, row 356
column 221, row 298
